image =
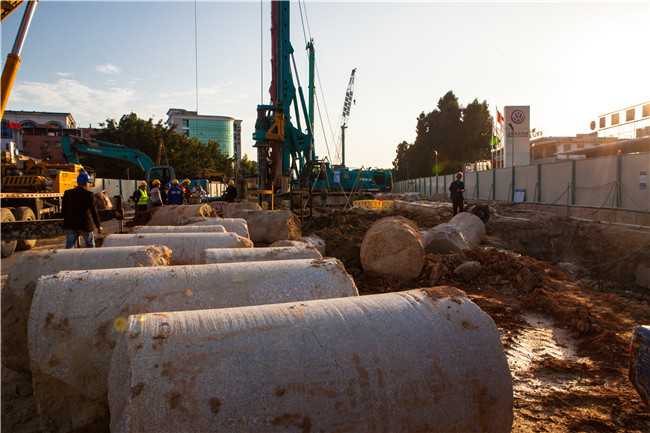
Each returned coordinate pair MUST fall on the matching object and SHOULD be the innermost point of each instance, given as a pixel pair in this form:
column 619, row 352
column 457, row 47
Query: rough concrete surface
column 18, row 290
column 392, row 246
column 77, row 316
column 186, row 247
column 355, row 368
column 268, row 226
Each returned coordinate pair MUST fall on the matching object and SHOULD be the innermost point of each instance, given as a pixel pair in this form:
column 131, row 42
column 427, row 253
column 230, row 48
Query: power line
column 196, row 57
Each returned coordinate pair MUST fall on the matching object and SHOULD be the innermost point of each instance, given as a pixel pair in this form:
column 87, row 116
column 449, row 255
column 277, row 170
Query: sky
column 569, row 61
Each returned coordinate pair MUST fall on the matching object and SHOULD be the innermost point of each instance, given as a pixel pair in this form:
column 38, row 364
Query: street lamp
column 436, row 152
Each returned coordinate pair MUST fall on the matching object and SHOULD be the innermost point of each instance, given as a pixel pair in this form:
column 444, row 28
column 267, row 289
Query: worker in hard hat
column 155, row 195
column 140, row 197
column 175, row 193
column 456, row 190
column 80, row 215
column 197, row 193
column 187, row 191
column 231, row 192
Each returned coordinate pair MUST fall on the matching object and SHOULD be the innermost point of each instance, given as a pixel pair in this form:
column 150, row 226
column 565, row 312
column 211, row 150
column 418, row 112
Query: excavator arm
column 70, row 149
column 101, row 148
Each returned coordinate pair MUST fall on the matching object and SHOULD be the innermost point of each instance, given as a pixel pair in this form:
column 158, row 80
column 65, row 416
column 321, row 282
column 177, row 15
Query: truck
column 32, row 191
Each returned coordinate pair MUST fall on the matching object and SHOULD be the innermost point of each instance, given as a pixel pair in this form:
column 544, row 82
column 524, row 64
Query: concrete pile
column 77, row 316
column 18, row 290
column 165, row 215
column 233, row 255
column 233, row 225
column 393, row 246
column 433, row 209
column 463, row 231
column 422, row 360
column 230, row 210
column 314, row 241
column 268, row 226
column 212, row 228
column 186, row 247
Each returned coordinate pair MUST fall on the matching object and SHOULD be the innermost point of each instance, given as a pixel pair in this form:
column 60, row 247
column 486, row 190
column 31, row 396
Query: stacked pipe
column 186, row 247
column 233, row 225
column 233, row 255
column 422, row 360
column 77, row 316
column 18, row 291
column 214, row 228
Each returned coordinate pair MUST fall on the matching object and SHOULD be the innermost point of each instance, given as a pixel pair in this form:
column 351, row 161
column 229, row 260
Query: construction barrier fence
column 619, row 181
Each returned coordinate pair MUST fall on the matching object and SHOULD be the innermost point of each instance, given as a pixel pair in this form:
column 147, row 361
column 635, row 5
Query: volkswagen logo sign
column 518, row 116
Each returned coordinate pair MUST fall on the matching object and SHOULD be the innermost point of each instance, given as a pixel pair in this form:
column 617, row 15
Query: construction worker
column 175, row 193
column 231, row 192
column 187, row 191
column 79, row 213
column 197, row 193
column 456, row 189
column 140, row 197
column 154, row 195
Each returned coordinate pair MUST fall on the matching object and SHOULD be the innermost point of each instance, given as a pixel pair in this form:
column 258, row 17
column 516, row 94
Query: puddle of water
column 539, row 339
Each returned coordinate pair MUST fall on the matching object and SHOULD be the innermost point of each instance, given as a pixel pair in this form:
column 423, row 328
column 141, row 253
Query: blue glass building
column 224, row 130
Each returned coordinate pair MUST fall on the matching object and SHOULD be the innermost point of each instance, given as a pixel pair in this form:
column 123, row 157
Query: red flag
column 500, row 118
column 13, row 125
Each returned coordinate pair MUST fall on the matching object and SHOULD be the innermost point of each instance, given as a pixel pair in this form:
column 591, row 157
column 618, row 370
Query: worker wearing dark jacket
column 456, row 189
column 79, row 213
column 175, row 194
column 231, row 192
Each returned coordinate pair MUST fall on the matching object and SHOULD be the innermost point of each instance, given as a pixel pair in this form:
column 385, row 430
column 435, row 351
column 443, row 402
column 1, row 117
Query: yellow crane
column 13, row 58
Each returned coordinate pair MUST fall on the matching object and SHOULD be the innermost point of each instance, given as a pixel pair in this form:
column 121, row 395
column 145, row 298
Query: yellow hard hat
column 231, row 183
column 143, row 183
column 187, row 181
column 175, row 182
column 155, row 182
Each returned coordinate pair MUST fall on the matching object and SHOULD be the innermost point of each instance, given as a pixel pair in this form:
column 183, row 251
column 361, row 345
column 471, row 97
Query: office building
column 226, row 131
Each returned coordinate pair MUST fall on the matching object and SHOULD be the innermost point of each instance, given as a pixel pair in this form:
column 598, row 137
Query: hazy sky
column 570, row 61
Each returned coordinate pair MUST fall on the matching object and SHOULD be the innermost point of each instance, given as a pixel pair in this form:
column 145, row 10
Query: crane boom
column 345, row 116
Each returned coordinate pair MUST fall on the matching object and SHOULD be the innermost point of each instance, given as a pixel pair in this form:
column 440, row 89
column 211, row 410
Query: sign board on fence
column 643, row 179
column 519, row 195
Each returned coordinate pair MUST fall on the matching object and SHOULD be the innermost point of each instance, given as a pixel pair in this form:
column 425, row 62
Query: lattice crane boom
column 345, row 115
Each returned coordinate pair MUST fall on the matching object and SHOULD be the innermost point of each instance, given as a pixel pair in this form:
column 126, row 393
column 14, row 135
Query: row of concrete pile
column 249, row 339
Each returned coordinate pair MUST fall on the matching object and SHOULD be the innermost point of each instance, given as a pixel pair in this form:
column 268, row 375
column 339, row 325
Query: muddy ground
column 566, row 337
column 567, row 343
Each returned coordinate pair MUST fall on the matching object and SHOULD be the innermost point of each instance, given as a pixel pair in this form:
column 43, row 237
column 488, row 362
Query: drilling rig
column 285, row 152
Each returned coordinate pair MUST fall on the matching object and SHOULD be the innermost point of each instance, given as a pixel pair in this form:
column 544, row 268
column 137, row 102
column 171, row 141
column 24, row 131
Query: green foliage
column 188, row 156
column 458, row 134
column 246, row 167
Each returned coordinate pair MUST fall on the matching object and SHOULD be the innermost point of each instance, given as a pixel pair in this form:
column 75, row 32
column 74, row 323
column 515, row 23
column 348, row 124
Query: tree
column 246, row 167
column 400, row 164
column 188, row 156
column 457, row 134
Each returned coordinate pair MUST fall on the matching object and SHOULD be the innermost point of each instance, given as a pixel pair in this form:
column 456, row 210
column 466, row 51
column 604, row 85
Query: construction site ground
column 561, row 292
